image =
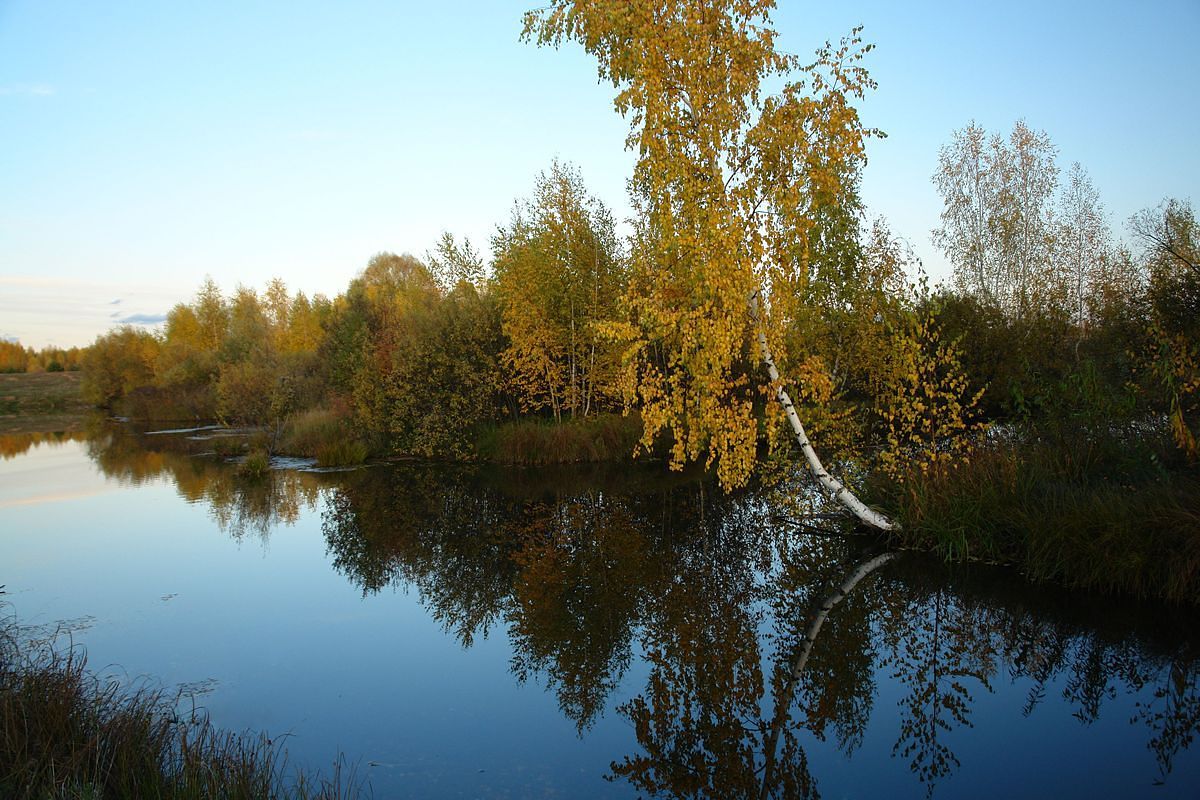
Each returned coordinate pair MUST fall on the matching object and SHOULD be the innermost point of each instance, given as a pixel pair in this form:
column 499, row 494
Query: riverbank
column 331, row 438
column 66, row 732
column 1116, row 513
column 42, row 402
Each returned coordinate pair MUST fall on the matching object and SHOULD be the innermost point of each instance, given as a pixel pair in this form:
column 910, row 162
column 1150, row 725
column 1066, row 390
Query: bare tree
column 1082, row 245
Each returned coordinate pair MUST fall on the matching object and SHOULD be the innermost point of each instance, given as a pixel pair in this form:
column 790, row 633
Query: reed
column 597, row 437
column 256, row 464
column 68, row 733
column 1088, row 512
column 324, row 434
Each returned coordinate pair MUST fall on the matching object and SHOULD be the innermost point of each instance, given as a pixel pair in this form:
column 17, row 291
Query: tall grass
column 598, row 437
column 256, row 465
column 66, row 733
column 1085, row 511
column 326, row 434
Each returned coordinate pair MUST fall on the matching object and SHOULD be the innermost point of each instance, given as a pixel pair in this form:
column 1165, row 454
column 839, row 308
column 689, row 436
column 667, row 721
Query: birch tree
column 728, row 183
column 996, row 220
column 1081, row 243
column 559, row 272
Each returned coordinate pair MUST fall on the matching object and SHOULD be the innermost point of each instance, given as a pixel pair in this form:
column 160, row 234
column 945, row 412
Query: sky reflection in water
column 585, row 633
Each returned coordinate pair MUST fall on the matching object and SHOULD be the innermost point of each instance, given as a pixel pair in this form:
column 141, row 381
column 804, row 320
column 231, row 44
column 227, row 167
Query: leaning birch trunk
column 784, row 704
column 844, row 496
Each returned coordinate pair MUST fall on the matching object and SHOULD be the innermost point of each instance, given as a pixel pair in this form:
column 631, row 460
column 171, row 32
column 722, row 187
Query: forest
column 1041, row 408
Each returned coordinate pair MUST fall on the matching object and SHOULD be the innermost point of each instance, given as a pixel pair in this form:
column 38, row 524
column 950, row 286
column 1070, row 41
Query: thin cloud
column 116, row 302
column 27, row 90
column 143, row 319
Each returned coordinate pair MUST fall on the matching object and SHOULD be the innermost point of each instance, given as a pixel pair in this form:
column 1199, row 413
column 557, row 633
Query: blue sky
column 144, row 145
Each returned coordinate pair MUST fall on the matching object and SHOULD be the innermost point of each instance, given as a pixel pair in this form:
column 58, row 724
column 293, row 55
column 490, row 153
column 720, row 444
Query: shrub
column 257, row 464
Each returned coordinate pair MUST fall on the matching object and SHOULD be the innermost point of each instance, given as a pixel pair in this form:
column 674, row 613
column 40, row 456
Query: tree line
column 749, row 248
column 16, row 358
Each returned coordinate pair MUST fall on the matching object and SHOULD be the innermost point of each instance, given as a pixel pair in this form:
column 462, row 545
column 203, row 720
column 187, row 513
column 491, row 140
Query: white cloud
column 143, row 319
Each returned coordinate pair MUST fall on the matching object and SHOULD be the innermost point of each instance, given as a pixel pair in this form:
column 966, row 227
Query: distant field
column 41, row 401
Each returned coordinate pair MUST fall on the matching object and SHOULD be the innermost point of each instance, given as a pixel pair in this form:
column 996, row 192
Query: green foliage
column 1172, row 255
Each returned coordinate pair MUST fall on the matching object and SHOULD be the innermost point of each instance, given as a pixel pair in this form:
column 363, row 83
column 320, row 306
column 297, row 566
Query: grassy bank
column 1111, row 513
column 599, row 437
column 66, row 733
column 37, row 402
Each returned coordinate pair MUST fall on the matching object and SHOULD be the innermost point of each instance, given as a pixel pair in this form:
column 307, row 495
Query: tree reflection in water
column 241, row 506
column 758, row 641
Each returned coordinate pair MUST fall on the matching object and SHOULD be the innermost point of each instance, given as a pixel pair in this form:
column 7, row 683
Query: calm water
column 585, row 633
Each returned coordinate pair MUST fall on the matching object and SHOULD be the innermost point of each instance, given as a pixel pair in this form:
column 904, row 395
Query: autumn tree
column 419, row 363
column 117, row 363
column 728, row 187
column 1171, row 255
column 13, row 357
column 453, row 264
column 559, row 273
column 997, row 216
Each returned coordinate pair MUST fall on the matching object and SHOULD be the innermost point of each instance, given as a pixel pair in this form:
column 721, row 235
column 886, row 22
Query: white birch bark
column 858, row 508
column 801, row 661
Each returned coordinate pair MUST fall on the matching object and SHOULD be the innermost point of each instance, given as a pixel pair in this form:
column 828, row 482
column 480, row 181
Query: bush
column 257, row 464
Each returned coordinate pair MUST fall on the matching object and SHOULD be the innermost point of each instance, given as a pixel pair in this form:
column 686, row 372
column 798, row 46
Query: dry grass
column 36, row 402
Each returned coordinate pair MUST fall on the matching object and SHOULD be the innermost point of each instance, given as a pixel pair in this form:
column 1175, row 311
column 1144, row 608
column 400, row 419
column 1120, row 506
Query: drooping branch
column 847, row 498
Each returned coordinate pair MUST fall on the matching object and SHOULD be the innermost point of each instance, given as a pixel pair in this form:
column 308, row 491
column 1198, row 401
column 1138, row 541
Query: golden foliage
column 924, row 403
column 727, row 184
column 1175, row 364
column 559, row 274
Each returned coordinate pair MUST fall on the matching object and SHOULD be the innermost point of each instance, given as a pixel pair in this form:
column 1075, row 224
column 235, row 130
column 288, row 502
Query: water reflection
column 241, row 506
column 18, row 444
column 756, row 647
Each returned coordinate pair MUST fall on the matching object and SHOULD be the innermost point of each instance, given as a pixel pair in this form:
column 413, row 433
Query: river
column 584, row 632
